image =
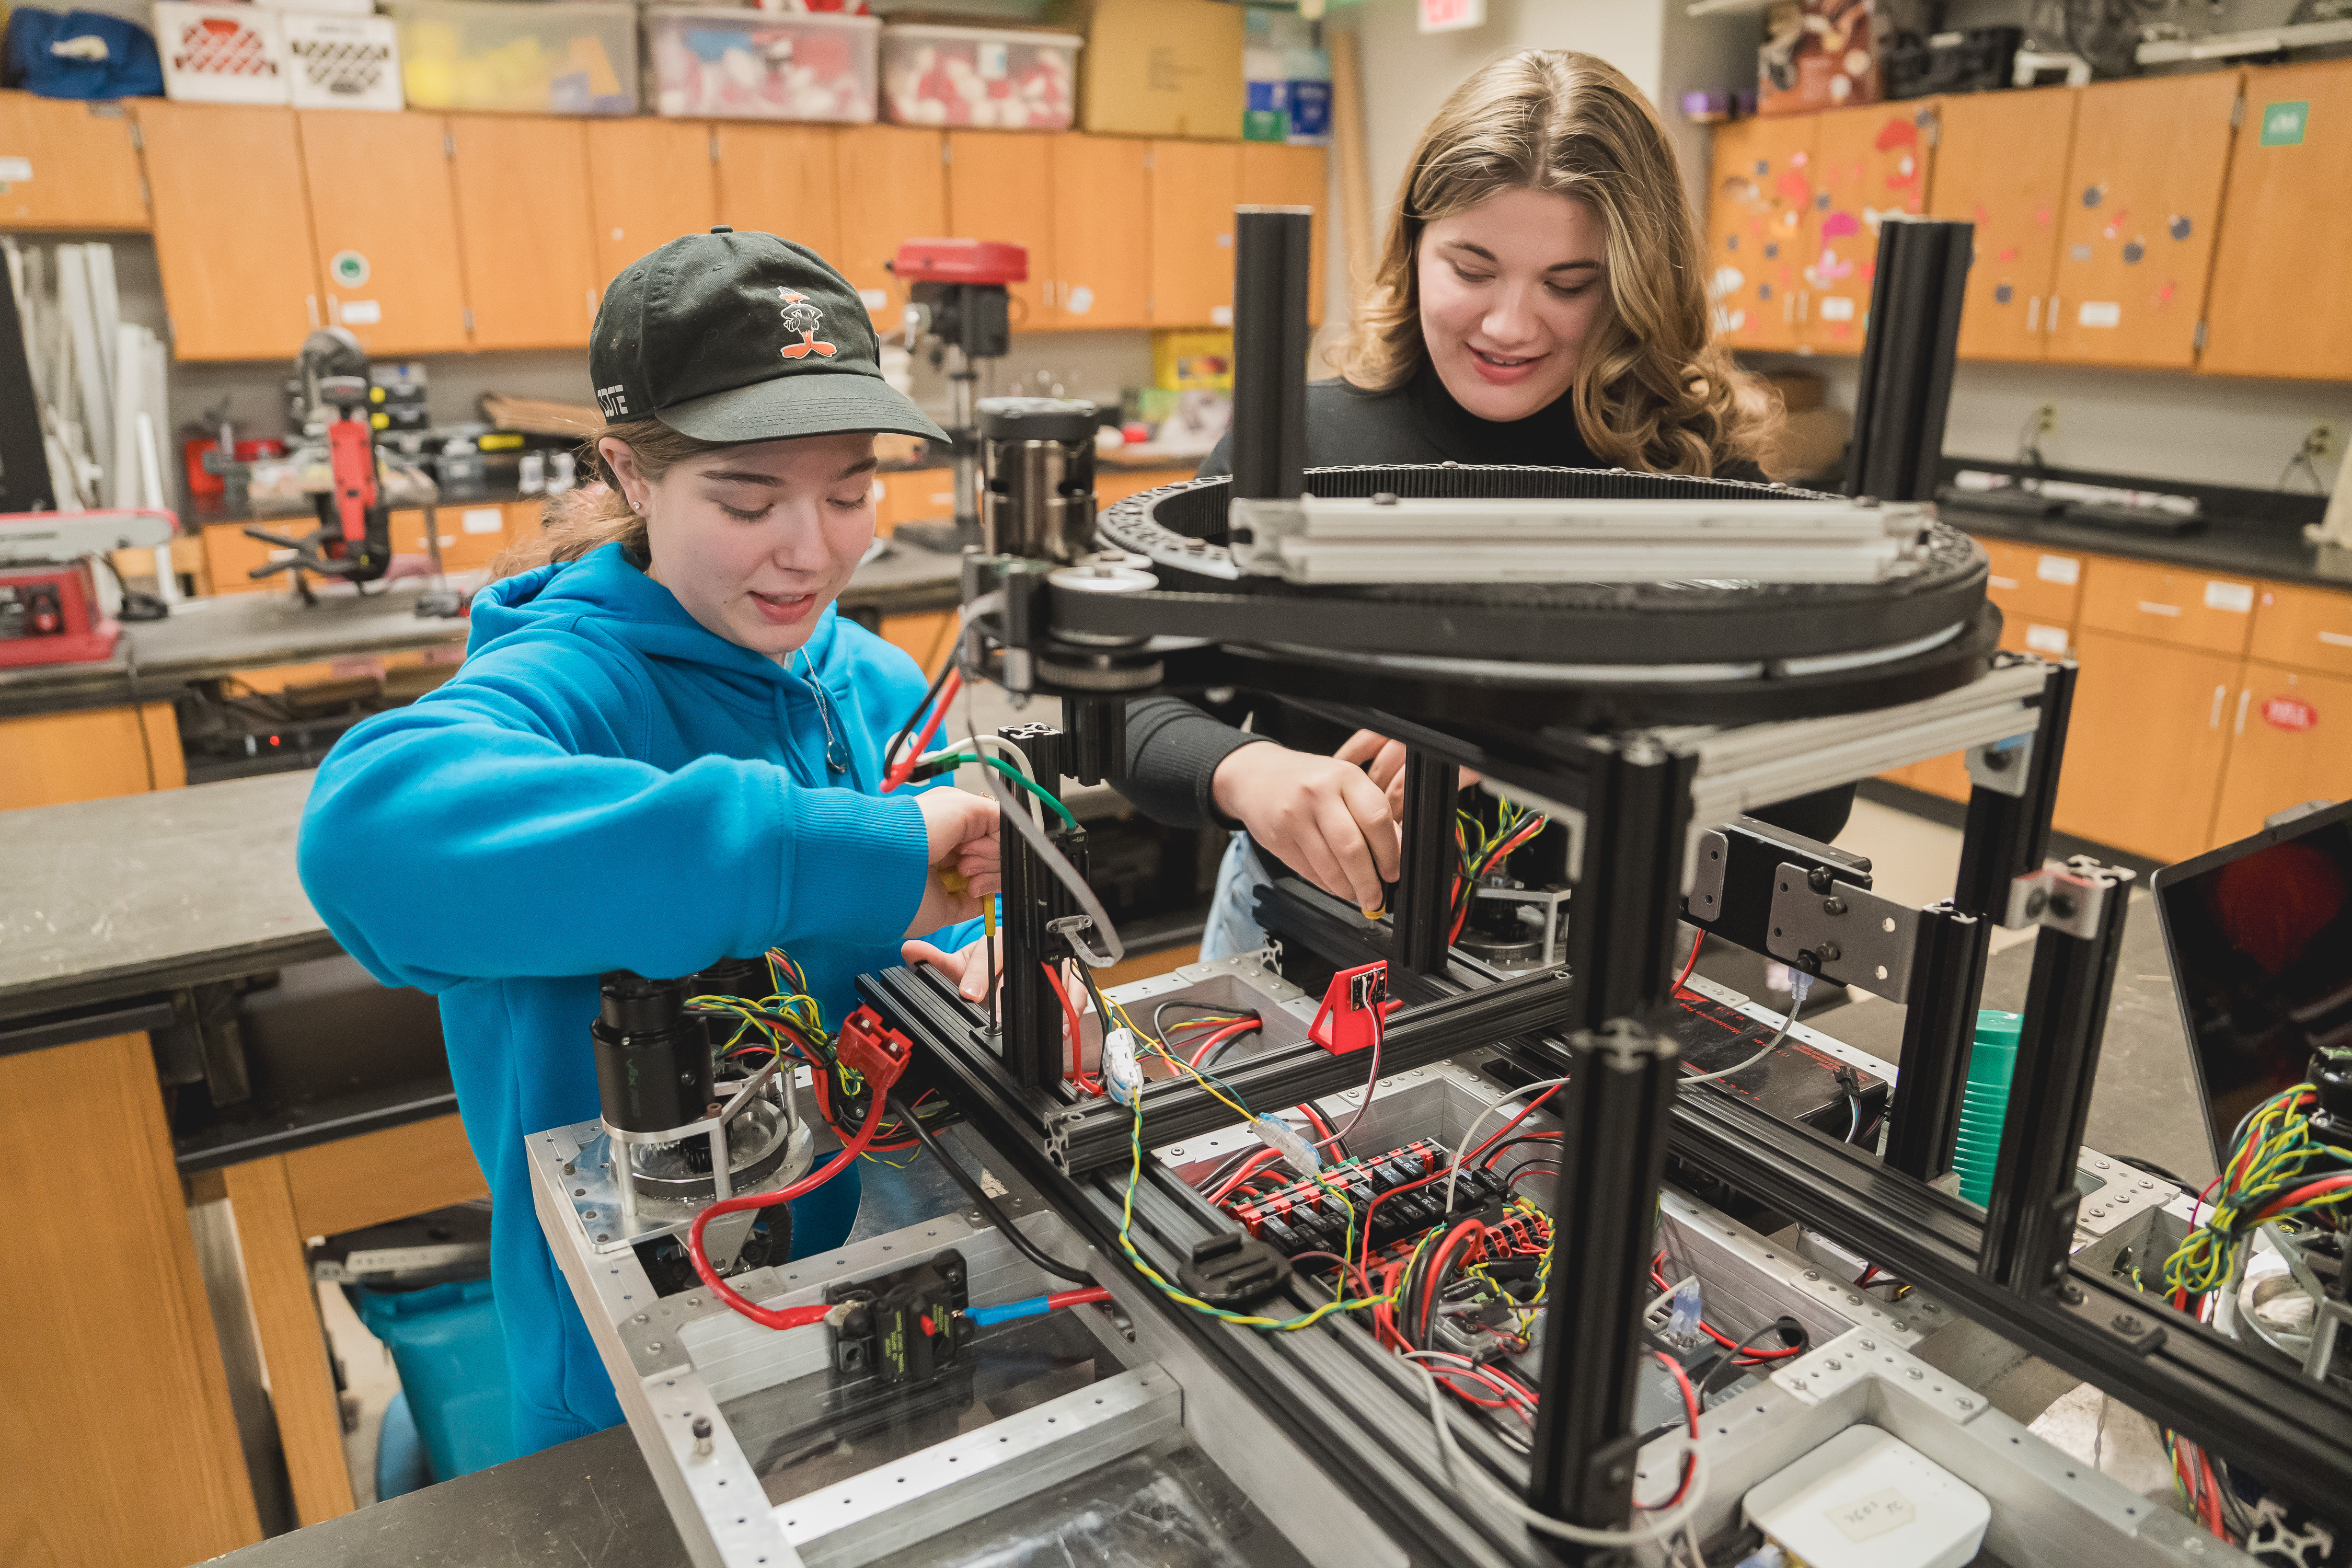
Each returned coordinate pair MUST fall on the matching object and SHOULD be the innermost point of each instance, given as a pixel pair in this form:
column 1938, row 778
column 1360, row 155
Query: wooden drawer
column 229, row 555
column 914, row 495
column 2290, row 742
column 2031, row 583
column 2307, row 628
column 2193, row 609
column 471, row 534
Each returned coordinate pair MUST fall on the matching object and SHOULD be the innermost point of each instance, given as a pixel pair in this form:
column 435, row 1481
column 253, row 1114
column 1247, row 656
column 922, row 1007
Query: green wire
column 1017, row 776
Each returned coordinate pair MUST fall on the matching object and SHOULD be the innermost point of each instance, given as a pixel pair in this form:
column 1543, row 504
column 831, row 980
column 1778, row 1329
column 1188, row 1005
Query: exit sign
column 1451, row 15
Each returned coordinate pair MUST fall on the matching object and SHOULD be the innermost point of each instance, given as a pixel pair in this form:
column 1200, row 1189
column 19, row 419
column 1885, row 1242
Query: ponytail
column 591, row 516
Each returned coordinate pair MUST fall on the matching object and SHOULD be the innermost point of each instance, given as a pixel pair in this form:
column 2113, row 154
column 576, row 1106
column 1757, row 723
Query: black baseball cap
column 743, row 337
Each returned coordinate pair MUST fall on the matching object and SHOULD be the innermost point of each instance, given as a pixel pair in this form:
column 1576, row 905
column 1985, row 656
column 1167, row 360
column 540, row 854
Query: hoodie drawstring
column 836, row 753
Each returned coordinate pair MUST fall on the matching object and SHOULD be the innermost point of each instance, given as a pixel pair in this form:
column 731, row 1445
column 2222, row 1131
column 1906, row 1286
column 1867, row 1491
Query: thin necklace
column 836, row 755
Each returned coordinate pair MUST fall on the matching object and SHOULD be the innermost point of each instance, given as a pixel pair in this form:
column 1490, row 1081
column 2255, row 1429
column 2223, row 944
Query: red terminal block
column 961, row 261
column 1353, row 1007
column 878, row 1052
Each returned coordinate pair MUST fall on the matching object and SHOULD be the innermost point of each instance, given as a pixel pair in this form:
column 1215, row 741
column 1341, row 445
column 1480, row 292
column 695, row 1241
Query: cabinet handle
column 2149, row 607
column 311, row 302
column 2243, row 698
column 2033, row 313
column 2335, row 639
column 2052, row 323
column 2220, row 694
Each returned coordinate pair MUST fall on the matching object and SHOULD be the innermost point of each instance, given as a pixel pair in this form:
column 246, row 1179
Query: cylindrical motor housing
column 653, row 1061
column 1037, row 463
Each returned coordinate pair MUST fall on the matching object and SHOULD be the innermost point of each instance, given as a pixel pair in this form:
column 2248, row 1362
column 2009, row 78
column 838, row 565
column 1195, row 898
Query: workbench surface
column 204, row 639
column 109, row 899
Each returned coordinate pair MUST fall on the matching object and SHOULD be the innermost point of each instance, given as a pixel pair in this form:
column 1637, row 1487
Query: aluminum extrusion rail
column 2293, row 1434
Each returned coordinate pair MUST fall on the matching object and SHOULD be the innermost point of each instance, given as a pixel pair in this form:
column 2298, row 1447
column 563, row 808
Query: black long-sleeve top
column 1173, row 746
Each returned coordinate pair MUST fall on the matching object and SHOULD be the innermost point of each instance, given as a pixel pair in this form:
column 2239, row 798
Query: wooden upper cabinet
column 1001, row 187
column 239, row 284
column 384, row 222
column 1195, row 185
column 1867, row 163
column 1760, row 230
column 1102, row 230
column 1278, row 176
column 68, row 165
column 521, row 184
column 649, row 181
column 2001, row 163
column 2142, row 199
column 2287, row 217
column 779, row 179
column 894, row 188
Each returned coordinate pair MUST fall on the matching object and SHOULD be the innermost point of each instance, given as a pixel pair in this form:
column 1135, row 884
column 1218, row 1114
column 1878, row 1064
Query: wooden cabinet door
column 2143, row 197
column 2290, row 741
column 1001, row 187
column 239, row 271
column 1760, row 230
column 1867, row 163
column 385, row 224
column 649, row 181
column 1278, row 176
column 1102, row 230
column 2307, row 628
column 2164, row 604
column 521, row 184
column 2288, row 177
column 2001, row 163
column 779, row 179
column 1195, row 185
column 894, row 188
column 68, row 165
column 2145, row 746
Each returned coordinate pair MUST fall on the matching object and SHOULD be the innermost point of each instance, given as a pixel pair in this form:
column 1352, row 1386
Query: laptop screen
column 2259, row 934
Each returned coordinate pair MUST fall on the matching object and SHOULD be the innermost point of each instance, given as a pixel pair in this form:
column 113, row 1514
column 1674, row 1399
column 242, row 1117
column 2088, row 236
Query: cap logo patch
column 803, row 317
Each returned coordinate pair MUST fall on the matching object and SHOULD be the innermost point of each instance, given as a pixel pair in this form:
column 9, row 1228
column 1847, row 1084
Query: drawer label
column 2289, row 713
column 2047, row 639
column 482, row 520
column 2059, row 569
column 2099, row 313
column 2236, row 597
column 15, row 171
column 1837, row 307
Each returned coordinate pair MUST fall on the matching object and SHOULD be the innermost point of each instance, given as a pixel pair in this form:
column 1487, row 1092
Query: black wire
column 1487, row 1163
column 986, row 1204
column 1783, row 1326
column 1854, row 1132
column 2153, row 1169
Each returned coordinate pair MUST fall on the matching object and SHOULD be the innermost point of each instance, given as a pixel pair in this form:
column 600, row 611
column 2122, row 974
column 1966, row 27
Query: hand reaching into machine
column 1382, row 760
column 963, row 858
column 1321, row 817
column 968, row 968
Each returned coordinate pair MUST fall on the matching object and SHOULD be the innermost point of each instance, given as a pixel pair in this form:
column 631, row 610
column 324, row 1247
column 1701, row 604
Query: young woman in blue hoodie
column 664, row 750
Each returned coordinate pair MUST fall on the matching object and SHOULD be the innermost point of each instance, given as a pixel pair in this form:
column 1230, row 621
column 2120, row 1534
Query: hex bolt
column 1829, row 952
column 2098, row 1214
column 641, row 1317
column 2127, row 1323
column 1819, row 878
column 2036, row 902
column 1812, row 1273
column 1832, row 905
column 1967, row 1404
column 587, row 1214
column 2063, row 905
column 1796, row 1383
column 654, row 1345
column 1868, row 1344
column 702, row 1434
column 1992, row 762
column 569, row 1169
column 1913, row 1373
column 602, row 1237
column 1853, row 1300
column 1833, row 1364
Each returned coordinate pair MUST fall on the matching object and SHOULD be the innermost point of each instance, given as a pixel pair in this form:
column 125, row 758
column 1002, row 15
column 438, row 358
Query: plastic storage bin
column 452, row 1357
column 343, row 62
column 520, row 55
column 221, row 54
column 996, row 77
column 761, row 65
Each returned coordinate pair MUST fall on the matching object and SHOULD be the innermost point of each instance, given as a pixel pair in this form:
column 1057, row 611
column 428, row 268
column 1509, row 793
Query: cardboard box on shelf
column 1818, row 54
column 1184, row 359
column 1159, row 68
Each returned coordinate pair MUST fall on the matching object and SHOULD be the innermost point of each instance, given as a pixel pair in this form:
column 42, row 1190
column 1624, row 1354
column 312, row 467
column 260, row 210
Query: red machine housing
column 961, row 261
column 48, row 615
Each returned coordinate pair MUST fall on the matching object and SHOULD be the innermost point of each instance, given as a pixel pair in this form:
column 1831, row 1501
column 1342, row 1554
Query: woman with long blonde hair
column 1540, row 299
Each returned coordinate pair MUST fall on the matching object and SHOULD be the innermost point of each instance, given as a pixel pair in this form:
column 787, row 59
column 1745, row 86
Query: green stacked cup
column 1993, row 1062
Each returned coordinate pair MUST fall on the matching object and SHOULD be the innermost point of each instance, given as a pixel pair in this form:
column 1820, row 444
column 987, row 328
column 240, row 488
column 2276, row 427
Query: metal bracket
column 1709, row 855
column 2138, row 1330
column 2068, row 897
column 1256, row 529
column 2006, row 766
column 1842, row 932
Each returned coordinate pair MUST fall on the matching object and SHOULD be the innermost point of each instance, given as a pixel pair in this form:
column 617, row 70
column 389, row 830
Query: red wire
column 2212, row 1496
column 1689, row 963
column 1322, row 1128
column 900, row 770
column 789, row 1316
column 1514, row 1121
column 1077, row 1035
column 1060, row 1298
column 1229, row 1032
column 2325, row 1184
column 1690, row 1405
column 1250, row 1167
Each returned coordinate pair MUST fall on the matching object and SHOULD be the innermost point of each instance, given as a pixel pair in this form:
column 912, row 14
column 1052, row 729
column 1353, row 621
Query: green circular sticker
column 349, row 267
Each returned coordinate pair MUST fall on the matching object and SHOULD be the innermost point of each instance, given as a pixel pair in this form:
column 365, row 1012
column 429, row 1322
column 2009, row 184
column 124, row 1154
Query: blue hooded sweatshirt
column 606, row 785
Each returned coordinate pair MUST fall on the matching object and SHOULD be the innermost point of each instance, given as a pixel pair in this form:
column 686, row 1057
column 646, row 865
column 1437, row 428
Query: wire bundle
column 2277, row 1170
column 1513, row 827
